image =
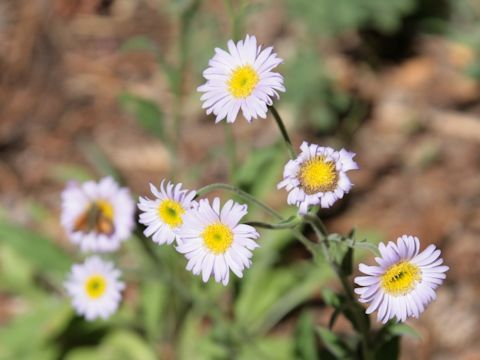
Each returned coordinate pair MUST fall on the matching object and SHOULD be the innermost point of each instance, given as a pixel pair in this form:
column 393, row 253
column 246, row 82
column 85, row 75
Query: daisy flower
column 404, row 281
column 94, row 288
column 317, row 176
column 97, row 216
column 241, row 79
column 163, row 216
column 213, row 241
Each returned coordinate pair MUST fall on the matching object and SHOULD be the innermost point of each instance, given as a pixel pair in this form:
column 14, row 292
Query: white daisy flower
column 241, row 79
column 163, row 216
column 95, row 288
column 317, row 176
column 214, row 241
column 97, row 216
column 404, row 281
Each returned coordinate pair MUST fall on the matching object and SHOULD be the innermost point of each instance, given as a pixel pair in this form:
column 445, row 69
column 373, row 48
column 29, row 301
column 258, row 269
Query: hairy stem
column 321, row 232
column 243, row 194
column 283, row 130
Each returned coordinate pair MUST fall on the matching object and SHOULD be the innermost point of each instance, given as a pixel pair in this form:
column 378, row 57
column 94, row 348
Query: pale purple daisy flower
column 241, row 79
column 404, row 281
column 213, row 241
column 317, row 176
column 163, row 216
column 97, row 216
column 95, row 288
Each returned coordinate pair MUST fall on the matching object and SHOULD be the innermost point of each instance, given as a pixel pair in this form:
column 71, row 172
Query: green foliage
column 334, row 344
column 146, row 111
column 329, row 18
column 40, row 251
column 121, row 345
column 30, row 336
column 312, row 91
column 305, row 339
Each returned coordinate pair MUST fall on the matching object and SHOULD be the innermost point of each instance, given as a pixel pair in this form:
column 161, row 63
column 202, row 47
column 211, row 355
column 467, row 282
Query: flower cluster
column 97, row 217
column 209, row 235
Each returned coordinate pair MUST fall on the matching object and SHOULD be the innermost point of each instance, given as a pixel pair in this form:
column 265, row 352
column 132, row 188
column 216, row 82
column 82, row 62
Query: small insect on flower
column 214, row 241
column 404, row 281
column 95, row 288
column 317, row 176
column 97, row 216
column 241, row 79
column 163, row 216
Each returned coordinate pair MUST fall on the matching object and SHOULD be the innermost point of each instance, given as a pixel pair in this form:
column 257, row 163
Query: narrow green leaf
column 305, row 344
column 38, row 249
column 403, row 329
column 146, row 111
column 389, row 350
column 334, row 344
column 347, row 262
column 331, row 298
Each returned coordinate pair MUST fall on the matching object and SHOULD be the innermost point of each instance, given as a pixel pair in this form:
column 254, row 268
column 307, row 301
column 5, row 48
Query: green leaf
column 403, row 329
column 267, row 348
column 389, row 350
column 119, row 345
column 334, row 344
column 146, row 111
column 305, row 342
column 154, row 299
column 196, row 342
column 39, row 250
column 331, row 298
column 31, row 333
column 347, row 262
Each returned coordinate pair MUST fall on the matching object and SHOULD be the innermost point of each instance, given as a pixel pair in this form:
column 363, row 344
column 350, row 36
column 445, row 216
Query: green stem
column 283, row 130
column 322, row 235
column 167, row 276
column 231, row 150
column 234, row 19
column 247, row 197
column 279, row 226
column 243, row 194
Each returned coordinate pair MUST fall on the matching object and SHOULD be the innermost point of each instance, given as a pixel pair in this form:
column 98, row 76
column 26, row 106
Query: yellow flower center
column 171, row 212
column 95, row 286
column 97, row 217
column 317, row 175
column 243, row 81
column 400, row 278
column 217, row 238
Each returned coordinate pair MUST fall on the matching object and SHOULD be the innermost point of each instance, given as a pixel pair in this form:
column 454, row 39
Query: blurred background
column 90, row 88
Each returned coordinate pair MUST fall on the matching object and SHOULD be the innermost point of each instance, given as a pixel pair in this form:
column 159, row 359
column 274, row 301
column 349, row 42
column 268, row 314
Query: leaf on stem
column 335, row 345
column 305, row 342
